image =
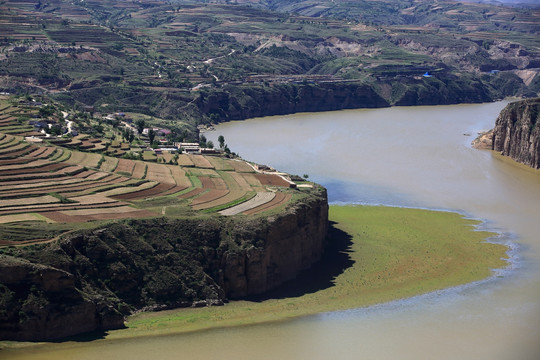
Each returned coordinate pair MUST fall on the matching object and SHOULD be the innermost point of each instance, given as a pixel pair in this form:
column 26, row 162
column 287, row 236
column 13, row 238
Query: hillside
column 166, row 59
column 87, row 238
column 50, row 182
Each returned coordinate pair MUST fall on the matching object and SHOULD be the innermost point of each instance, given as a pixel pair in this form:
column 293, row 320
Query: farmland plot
column 278, row 200
column 84, row 159
column 139, row 170
column 220, row 163
column 159, row 173
column 125, row 167
column 184, row 160
column 201, row 161
column 179, row 176
column 241, row 166
column 109, row 164
column 259, row 199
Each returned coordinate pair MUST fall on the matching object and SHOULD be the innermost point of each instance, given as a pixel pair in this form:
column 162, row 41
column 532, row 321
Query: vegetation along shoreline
column 390, row 253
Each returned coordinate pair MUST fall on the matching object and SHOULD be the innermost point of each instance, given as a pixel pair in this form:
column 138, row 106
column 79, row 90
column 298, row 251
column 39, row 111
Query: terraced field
column 47, row 189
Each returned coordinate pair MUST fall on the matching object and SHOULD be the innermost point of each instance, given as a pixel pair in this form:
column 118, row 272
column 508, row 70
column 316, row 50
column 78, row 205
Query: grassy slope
column 395, row 253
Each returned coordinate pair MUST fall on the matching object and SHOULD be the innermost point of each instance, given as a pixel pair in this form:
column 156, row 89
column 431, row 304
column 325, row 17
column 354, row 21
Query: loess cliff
column 517, row 134
column 91, row 279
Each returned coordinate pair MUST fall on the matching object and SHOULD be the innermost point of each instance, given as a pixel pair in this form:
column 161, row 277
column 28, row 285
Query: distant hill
column 196, row 62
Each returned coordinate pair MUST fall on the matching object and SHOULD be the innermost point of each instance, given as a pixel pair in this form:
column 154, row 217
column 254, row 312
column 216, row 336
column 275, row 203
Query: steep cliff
column 517, row 134
column 91, row 279
column 247, row 101
column 238, row 102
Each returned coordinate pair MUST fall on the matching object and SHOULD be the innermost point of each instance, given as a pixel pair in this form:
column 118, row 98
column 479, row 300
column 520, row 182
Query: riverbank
column 380, row 254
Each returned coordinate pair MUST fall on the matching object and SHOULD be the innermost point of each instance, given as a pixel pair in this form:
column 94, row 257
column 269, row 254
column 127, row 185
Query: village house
column 188, row 148
column 171, row 150
column 210, row 151
column 263, row 168
column 163, row 132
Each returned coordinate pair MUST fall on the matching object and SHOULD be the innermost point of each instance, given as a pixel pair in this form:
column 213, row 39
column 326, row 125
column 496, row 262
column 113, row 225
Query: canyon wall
column 91, row 279
column 248, row 101
column 238, row 102
column 517, row 132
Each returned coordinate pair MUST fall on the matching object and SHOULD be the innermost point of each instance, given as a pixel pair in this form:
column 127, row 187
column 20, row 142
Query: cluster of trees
column 46, row 111
column 222, row 146
column 128, row 134
column 204, row 143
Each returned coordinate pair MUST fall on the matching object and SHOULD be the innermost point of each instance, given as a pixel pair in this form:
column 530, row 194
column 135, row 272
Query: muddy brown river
column 402, row 156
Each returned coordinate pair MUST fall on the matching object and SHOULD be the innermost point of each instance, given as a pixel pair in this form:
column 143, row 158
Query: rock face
column 517, row 132
column 244, row 102
column 293, row 242
column 238, row 102
column 91, row 279
column 42, row 302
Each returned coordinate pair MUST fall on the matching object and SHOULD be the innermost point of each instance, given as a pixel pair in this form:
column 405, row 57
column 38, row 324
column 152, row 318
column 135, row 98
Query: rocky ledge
column 91, row 279
column 517, row 134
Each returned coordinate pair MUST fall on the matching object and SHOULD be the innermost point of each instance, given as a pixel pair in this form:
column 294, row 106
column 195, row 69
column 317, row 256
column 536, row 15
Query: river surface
column 401, row 156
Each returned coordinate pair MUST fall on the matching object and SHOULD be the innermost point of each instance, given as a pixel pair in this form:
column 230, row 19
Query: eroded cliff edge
column 517, row 134
column 90, row 280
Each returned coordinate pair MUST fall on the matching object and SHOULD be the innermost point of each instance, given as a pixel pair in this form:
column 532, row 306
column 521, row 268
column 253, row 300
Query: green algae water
column 406, row 157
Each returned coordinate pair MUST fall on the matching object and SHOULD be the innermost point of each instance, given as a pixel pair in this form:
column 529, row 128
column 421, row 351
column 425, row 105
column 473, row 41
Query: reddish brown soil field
column 272, row 180
column 26, row 177
column 156, row 190
column 47, row 153
column 139, row 170
column 125, row 166
column 219, row 183
column 26, row 165
column 229, row 197
column 211, row 195
column 12, row 154
column 34, row 154
column 27, row 185
column 191, row 193
column 174, row 189
column 85, row 174
column 15, row 161
column 71, row 169
column 53, row 187
column 207, row 182
column 30, row 170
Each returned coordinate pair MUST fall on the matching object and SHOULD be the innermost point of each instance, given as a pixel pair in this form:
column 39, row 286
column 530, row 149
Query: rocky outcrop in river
column 91, row 279
column 517, row 132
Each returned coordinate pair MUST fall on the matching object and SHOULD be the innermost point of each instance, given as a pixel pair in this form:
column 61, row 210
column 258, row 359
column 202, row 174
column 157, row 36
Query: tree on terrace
column 221, row 141
column 140, row 125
